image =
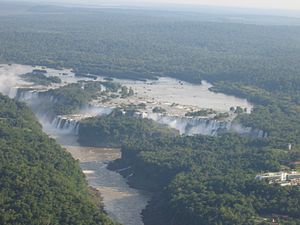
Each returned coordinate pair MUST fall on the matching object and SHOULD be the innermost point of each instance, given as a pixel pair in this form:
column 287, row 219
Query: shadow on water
column 122, row 203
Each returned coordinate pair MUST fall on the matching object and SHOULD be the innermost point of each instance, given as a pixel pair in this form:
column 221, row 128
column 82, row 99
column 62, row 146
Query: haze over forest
column 150, row 112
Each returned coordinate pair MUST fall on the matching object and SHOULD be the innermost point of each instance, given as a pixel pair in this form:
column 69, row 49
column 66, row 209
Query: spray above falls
column 9, row 79
column 146, row 96
column 205, row 126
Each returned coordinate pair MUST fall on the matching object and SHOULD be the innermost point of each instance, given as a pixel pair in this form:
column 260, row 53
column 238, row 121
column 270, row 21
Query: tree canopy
column 40, row 183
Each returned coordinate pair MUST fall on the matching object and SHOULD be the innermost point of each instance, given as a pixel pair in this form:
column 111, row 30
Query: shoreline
column 133, row 181
column 113, row 196
column 151, row 214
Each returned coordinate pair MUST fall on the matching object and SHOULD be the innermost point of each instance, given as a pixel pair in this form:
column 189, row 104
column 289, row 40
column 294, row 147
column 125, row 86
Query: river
column 166, row 91
column 121, row 202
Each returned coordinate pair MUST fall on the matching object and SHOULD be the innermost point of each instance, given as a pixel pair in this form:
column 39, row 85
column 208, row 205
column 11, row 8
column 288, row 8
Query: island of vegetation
column 39, row 78
column 70, row 98
column 198, row 179
column 117, row 128
column 195, row 180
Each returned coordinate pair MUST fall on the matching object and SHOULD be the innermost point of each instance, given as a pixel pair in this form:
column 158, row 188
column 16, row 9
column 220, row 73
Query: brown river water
column 122, row 203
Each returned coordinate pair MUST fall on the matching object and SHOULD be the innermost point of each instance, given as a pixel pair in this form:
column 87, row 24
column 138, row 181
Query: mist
column 216, row 7
column 9, row 79
column 254, row 4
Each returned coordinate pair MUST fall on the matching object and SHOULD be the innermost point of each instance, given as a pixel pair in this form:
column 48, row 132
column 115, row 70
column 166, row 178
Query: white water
column 70, row 124
column 166, row 91
column 163, row 92
column 204, row 126
column 191, row 126
column 122, row 202
column 9, row 80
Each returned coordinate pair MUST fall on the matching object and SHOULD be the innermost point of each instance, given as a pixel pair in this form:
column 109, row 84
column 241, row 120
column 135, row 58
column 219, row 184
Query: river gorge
column 177, row 98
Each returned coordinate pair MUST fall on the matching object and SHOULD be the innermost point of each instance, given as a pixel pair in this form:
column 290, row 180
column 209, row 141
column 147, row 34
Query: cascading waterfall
column 27, row 95
column 66, row 125
column 204, row 126
column 248, row 131
column 69, row 125
column 13, row 91
column 185, row 125
column 190, row 125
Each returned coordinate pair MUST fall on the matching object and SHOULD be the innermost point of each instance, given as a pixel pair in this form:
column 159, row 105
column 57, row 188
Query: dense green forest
column 195, row 180
column 40, row 183
column 200, row 179
column 116, row 129
column 258, row 62
column 138, row 44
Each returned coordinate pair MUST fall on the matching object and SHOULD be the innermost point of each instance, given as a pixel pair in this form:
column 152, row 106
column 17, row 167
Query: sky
column 264, row 4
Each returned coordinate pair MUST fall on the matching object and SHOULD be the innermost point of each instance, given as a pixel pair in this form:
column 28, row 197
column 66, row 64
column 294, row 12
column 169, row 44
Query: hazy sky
column 271, row 4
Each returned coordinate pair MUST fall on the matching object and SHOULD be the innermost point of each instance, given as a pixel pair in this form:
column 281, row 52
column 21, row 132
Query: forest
column 40, row 183
column 70, row 98
column 257, row 62
column 115, row 129
column 138, row 44
column 195, row 180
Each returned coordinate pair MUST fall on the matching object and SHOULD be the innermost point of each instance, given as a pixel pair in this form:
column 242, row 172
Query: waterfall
column 66, row 125
column 185, row 125
column 205, row 126
column 70, row 124
column 26, row 95
column 95, row 110
column 190, row 125
column 248, row 131
column 13, row 91
column 10, row 91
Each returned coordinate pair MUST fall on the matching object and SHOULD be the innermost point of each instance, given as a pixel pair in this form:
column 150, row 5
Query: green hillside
column 40, row 183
